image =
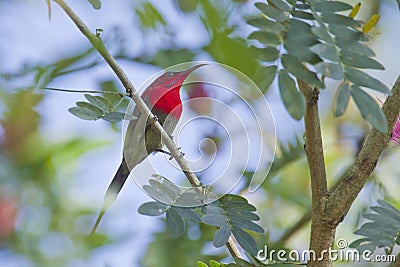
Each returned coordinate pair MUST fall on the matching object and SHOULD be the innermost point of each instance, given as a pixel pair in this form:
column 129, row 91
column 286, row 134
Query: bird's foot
column 169, row 153
column 155, row 118
column 182, row 154
column 162, row 151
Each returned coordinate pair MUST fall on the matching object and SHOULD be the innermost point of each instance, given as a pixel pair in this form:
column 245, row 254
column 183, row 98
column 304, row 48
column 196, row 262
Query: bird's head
column 163, row 93
column 174, row 79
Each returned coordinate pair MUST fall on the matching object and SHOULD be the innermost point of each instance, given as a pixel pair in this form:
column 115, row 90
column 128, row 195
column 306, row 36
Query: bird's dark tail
column 112, row 192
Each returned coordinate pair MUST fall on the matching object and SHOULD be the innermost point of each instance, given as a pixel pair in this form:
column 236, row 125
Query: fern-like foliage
column 231, row 214
column 382, row 231
column 238, row 263
column 310, row 40
column 99, row 107
column 284, row 157
column 213, row 263
column 291, row 153
column 178, row 204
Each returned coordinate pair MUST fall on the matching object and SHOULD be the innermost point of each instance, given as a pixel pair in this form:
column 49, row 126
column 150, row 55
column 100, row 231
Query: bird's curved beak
column 182, row 75
column 188, row 71
column 179, row 77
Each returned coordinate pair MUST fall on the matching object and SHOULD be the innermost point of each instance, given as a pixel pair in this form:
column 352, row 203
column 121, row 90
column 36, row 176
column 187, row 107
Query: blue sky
column 28, row 36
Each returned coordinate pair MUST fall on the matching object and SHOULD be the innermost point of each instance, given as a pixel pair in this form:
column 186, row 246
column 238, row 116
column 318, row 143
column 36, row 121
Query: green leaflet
column 331, row 6
column 264, row 77
column 84, row 113
column 331, row 70
column 96, row 4
column 265, row 24
column 153, row 208
column 268, row 54
column 232, row 214
column 326, row 51
column 342, row 99
column 382, row 229
column 291, row 97
column 303, row 15
column 102, row 103
column 266, row 38
column 322, row 33
column 340, row 20
column 99, row 107
column 245, row 240
column 353, row 46
column 214, row 219
column 221, row 236
column 175, row 221
column 295, row 67
column 271, row 12
column 359, row 61
column 369, row 109
column 344, row 32
column 90, row 107
column 363, row 79
column 282, row 5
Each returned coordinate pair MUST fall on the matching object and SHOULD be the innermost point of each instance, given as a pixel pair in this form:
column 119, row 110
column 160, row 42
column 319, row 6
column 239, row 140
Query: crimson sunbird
column 163, row 98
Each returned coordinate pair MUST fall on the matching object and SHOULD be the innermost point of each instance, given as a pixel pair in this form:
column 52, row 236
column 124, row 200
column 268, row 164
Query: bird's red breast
column 166, row 100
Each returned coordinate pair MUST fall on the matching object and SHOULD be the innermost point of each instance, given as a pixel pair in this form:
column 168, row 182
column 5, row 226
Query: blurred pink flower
column 396, row 129
column 396, row 132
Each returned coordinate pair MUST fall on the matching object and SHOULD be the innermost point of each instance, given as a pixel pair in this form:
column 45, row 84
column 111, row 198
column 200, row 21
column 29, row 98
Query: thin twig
column 79, row 91
column 85, row 67
column 97, row 43
column 295, row 227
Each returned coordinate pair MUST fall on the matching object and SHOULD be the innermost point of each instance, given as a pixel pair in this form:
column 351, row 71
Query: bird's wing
column 134, row 145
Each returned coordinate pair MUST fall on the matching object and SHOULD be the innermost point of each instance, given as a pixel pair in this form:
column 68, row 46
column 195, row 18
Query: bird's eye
column 170, row 74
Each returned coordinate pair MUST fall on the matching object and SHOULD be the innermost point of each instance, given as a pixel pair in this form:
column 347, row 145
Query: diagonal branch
column 97, row 43
column 295, row 227
column 342, row 198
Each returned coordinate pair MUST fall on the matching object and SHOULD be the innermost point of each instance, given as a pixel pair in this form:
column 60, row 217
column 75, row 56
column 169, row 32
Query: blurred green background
column 54, row 168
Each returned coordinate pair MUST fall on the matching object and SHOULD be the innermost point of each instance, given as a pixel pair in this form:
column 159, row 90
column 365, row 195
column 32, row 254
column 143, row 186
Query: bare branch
column 313, row 146
column 322, row 235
